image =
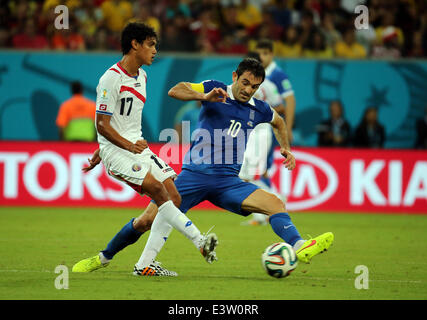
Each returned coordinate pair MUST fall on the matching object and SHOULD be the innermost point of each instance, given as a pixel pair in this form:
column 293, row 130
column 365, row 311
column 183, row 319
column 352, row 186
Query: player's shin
column 284, row 228
column 125, row 237
column 172, row 215
column 159, row 233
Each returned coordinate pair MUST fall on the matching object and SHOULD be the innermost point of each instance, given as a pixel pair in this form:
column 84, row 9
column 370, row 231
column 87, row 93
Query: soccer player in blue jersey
column 211, row 166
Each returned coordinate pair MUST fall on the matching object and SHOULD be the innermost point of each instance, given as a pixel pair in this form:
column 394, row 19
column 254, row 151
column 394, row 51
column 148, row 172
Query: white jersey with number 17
column 122, row 97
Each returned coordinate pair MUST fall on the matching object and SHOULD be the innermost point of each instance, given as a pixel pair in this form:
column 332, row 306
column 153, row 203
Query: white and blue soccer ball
column 279, row 260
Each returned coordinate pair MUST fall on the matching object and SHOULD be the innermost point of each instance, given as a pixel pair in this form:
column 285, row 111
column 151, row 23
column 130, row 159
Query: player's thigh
column 161, row 172
column 155, row 189
column 261, row 201
column 192, row 187
column 229, row 193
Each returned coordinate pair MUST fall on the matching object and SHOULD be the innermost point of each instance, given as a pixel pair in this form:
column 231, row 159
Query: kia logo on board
column 313, row 181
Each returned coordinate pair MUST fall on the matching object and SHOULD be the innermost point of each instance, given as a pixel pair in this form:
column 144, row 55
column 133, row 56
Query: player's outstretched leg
column 129, row 234
column 282, row 225
column 125, row 237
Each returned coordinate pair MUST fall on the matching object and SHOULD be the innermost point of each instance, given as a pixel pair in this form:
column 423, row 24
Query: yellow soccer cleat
column 314, row 246
column 89, row 265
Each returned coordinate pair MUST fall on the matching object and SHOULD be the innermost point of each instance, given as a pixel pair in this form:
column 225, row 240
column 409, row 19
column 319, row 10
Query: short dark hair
column 265, row 44
column 252, row 65
column 76, row 87
column 254, row 55
column 136, row 31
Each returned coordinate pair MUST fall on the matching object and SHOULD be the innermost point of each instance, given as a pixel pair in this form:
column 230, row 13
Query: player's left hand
column 289, row 162
column 96, row 159
column 216, row 95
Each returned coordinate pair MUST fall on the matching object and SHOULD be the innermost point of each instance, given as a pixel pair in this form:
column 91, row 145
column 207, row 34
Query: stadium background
column 34, row 83
column 203, row 40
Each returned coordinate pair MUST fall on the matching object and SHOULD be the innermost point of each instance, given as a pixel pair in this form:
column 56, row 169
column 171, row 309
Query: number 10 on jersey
column 234, row 128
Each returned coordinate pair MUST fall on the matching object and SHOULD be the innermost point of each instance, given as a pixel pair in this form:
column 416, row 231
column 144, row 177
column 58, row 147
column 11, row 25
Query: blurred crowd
column 299, row 28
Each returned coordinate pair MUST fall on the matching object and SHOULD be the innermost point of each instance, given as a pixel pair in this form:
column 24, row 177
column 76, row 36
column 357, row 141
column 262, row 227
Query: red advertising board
column 341, row 180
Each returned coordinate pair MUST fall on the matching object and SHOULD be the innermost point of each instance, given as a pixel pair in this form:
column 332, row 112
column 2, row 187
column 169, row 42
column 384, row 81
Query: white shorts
column 132, row 168
column 257, row 148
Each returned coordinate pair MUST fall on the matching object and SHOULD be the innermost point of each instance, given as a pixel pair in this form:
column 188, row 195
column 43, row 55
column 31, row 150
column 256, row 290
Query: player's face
column 245, row 86
column 146, row 51
column 266, row 56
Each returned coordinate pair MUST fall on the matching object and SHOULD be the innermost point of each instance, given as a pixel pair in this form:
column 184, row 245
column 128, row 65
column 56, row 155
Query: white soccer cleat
column 154, row 269
column 208, row 246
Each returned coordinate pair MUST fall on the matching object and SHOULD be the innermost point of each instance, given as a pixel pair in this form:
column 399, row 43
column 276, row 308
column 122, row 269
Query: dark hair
column 136, row 31
column 338, row 102
column 253, row 66
column 76, row 87
column 253, row 55
column 265, row 44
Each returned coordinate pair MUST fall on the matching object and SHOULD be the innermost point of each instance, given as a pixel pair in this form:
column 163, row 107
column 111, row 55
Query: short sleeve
column 208, row 85
column 107, row 94
column 283, row 84
column 267, row 113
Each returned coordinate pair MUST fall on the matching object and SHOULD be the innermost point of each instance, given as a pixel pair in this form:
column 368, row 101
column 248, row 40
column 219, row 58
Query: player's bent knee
column 176, row 199
column 142, row 224
column 158, row 193
column 275, row 205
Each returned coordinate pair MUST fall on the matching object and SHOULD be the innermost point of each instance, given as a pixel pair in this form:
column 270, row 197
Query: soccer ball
column 279, row 260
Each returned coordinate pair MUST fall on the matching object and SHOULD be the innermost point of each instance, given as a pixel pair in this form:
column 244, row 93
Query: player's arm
column 289, row 111
column 104, row 128
column 281, row 132
column 187, row 91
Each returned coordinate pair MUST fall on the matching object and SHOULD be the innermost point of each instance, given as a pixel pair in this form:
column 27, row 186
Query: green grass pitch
column 33, row 241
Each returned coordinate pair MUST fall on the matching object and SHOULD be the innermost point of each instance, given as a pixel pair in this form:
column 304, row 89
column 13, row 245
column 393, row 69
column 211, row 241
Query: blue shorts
column 227, row 192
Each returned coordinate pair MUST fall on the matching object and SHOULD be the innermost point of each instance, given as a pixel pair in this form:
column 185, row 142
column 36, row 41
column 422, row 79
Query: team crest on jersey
column 250, row 124
column 136, row 167
column 252, row 114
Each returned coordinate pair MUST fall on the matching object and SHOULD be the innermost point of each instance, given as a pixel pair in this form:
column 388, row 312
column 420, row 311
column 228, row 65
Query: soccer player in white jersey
column 121, row 95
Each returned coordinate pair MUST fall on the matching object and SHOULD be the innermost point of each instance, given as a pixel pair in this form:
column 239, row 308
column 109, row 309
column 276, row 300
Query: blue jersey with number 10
column 220, row 140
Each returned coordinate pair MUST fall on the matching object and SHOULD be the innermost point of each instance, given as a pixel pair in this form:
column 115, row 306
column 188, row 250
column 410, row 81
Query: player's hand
column 216, row 95
column 138, row 146
column 289, row 162
column 96, row 159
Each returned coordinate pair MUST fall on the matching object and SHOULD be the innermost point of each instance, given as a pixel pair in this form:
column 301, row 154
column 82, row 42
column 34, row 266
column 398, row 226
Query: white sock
column 172, row 215
column 159, row 233
column 298, row 244
column 103, row 259
column 167, row 217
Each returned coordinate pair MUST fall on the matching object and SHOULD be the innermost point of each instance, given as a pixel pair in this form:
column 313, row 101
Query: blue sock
column 122, row 239
column 284, row 228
